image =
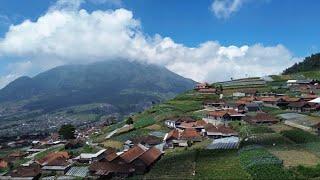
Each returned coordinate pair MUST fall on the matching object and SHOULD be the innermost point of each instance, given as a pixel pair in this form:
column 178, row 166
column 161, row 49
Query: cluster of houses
column 186, row 131
column 105, row 163
column 205, row 88
column 136, row 160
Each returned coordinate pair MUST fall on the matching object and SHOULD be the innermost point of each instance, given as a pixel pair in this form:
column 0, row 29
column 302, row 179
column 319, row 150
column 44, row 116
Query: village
column 224, row 119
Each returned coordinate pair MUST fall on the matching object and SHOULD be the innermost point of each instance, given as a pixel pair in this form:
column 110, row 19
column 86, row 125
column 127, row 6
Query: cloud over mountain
column 67, row 34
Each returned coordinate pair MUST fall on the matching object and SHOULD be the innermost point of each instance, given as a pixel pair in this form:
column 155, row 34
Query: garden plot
column 280, row 127
column 213, row 164
column 174, row 165
column 267, row 139
column 295, row 157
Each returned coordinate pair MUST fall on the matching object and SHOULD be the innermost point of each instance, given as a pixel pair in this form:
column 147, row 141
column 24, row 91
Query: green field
column 198, row 164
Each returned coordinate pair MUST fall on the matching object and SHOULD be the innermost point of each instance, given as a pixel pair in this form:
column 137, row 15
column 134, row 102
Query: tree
column 67, row 131
column 129, row 120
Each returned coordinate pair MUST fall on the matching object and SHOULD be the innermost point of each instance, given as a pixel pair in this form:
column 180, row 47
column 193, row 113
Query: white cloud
column 224, row 8
column 64, row 36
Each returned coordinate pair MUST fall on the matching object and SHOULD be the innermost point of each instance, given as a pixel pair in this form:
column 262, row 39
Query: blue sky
column 266, row 23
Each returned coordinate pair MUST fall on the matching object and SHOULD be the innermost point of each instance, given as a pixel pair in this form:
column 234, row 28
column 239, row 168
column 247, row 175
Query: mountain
column 310, row 63
column 121, row 83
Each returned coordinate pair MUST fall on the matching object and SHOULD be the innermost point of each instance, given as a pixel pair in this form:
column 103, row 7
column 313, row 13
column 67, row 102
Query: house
column 245, row 100
column 172, row 138
column 170, row 123
column 147, row 159
column 209, row 104
column 198, row 125
column 133, row 153
column 30, row 172
column 191, row 135
column 207, row 91
column 174, row 123
column 147, row 141
column 272, row 101
column 301, row 106
column 185, row 119
column 52, row 157
column 219, row 131
column 238, row 94
column 59, row 165
column 222, row 116
column 261, row 118
column 201, row 86
column 56, row 162
column 294, row 82
column 107, row 170
column 139, row 157
column 252, row 107
column 91, row 157
column 136, row 160
column 249, row 92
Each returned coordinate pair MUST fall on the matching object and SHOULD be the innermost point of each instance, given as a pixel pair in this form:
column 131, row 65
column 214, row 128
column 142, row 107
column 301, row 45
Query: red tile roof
column 262, row 118
column 190, row 133
column 51, row 157
column 150, row 156
column 105, row 168
column 173, row 134
column 112, row 156
column 185, row 119
column 151, row 140
column 217, row 113
column 269, row 99
column 221, row 113
column 133, row 153
column 26, row 171
column 201, row 123
column 196, row 124
column 219, row 129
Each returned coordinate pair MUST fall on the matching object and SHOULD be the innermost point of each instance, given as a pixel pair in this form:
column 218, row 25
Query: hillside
column 89, row 91
column 114, row 82
column 310, row 63
column 266, row 151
